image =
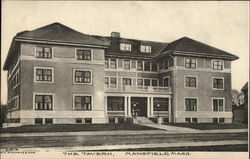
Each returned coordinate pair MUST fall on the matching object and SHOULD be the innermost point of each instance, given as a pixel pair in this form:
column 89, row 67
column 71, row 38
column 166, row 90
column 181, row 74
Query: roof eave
column 6, row 63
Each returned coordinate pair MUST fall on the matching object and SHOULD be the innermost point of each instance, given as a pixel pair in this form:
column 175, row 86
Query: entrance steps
column 143, row 120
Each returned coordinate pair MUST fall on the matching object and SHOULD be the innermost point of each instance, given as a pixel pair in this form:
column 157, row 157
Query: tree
column 236, row 97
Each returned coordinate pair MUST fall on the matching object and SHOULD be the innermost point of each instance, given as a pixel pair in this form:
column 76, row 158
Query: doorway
column 139, row 106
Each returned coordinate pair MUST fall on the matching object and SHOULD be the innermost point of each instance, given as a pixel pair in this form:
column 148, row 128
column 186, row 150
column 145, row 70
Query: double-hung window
column 217, row 65
column 146, row 48
column 154, row 82
column 218, row 83
column 126, row 64
column 43, row 102
column 146, row 82
column 154, row 66
column 127, row 81
column 125, row 47
column 191, row 104
column 113, row 64
column 106, row 63
column 82, row 54
column 82, row 76
column 113, row 81
column 218, row 104
column 83, row 102
column 147, row 66
column 166, row 81
column 44, row 74
column 190, row 63
column 43, row 52
column 191, row 82
column 139, row 65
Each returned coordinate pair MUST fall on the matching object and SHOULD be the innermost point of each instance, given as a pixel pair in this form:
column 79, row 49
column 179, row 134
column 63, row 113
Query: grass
column 210, row 126
column 74, row 128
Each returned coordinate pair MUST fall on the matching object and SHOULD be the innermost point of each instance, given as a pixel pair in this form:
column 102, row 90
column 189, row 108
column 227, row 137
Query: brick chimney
column 115, row 34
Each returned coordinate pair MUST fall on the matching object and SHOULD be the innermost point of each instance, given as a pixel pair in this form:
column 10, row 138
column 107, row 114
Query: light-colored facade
column 93, row 79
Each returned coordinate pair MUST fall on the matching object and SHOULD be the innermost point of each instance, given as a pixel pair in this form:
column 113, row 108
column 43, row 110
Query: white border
column 51, row 68
column 212, row 64
column 91, row 53
column 212, row 104
column 53, row 100
column 191, row 98
column 76, row 69
column 92, row 101
column 196, row 82
column 213, row 83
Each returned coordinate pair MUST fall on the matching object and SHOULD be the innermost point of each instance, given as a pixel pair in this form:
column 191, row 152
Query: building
column 58, row 75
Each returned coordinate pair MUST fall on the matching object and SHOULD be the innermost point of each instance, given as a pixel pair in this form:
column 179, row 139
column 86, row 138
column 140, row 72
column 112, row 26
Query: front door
column 138, row 106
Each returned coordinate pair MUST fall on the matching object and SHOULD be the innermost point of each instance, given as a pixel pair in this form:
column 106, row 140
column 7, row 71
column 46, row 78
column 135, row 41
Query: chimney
column 115, row 34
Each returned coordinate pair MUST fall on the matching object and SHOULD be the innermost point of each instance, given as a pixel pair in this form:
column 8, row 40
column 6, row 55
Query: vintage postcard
column 124, row 79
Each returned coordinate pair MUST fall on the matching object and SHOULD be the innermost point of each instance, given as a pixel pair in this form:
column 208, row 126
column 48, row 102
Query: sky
column 222, row 24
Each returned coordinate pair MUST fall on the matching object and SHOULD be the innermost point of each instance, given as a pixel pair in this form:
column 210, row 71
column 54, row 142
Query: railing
column 128, row 88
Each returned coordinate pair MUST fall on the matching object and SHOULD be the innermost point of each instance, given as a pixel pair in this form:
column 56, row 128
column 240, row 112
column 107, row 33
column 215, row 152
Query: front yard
column 74, row 128
column 210, row 126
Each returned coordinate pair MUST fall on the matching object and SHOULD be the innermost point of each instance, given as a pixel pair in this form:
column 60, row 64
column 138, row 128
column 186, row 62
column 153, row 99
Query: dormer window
column 146, row 48
column 125, row 47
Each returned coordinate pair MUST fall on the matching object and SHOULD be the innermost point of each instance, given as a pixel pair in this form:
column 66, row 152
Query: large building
column 57, row 75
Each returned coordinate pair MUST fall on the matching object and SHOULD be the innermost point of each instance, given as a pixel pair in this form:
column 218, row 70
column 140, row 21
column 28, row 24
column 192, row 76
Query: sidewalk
column 165, row 130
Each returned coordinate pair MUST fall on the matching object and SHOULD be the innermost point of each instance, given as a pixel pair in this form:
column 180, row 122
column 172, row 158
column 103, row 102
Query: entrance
column 139, row 106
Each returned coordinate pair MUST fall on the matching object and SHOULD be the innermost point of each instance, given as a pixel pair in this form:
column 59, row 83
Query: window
column 14, row 103
column 133, row 64
column 78, row 120
column 218, row 104
column 188, row 120
column 154, row 82
column 221, row 120
column 139, row 82
column 44, row 74
column 127, row 81
column 139, row 65
column 126, row 64
column 217, row 65
column 165, row 120
column 215, row 120
column 83, row 102
column 113, row 63
column 113, row 81
column 121, row 120
column 146, row 82
column 147, row 66
column 88, row 120
column 111, row 120
column 218, row 83
column 106, row 63
column 43, row 52
column 106, row 81
column 48, row 121
column 38, row 121
column 190, row 62
column 125, row 47
column 161, row 65
column 191, row 104
column 162, row 102
column 145, row 48
column 154, row 66
column 115, row 103
column 194, row 120
column 166, row 64
column 82, row 76
column 190, row 82
column 83, row 54
column 166, row 82
column 43, row 102
column 15, row 80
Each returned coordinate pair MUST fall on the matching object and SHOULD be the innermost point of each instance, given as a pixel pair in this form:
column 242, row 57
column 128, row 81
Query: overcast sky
column 221, row 24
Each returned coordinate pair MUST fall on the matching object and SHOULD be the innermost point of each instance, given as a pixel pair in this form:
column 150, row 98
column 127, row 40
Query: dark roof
column 114, row 47
column 187, row 46
column 245, row 87
column 59, row 33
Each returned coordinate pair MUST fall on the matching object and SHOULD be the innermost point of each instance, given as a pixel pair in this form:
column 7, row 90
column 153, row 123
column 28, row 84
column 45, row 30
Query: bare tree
column 236, row 97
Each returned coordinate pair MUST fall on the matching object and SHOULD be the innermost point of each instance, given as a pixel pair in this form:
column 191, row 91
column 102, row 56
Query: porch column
column 125, row 106
column 129, row 106
column 169, row 109
column 152, row 106
column 148, row 106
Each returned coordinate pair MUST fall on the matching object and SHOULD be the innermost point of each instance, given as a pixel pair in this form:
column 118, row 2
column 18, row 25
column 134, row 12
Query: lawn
column 210, row 126
column 74, row 128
